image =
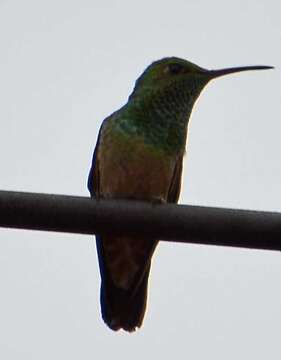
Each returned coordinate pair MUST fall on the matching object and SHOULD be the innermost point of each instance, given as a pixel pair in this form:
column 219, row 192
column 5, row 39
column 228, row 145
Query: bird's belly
column 138, row 174
column 131, row 170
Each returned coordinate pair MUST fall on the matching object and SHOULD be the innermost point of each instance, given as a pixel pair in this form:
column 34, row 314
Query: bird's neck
column 162, row 117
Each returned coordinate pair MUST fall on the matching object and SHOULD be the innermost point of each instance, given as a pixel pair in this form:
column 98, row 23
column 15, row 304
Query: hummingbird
column 139, row 156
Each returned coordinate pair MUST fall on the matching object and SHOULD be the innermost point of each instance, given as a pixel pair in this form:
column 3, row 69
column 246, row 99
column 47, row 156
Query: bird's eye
column 175, row 68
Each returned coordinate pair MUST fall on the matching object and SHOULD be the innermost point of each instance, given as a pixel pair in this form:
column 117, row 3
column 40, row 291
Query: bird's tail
column 124, row 307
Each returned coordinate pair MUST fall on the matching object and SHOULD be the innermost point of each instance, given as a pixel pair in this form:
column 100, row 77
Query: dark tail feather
column 124, row 309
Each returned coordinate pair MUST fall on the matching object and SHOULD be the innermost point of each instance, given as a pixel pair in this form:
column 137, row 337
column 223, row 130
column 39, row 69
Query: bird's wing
column 93, row 178
column 175, row 187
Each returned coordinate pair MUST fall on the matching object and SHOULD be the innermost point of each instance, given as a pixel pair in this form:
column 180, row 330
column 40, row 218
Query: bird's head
column 173, row 72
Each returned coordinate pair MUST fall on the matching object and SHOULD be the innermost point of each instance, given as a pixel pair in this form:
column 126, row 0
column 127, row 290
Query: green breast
column 131, row 167
column 151, row 127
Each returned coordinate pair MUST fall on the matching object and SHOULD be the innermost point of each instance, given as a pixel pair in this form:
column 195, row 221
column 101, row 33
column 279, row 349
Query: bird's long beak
column 216, row 73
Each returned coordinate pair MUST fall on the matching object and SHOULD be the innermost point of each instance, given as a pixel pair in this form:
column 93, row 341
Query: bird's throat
column 162, row 119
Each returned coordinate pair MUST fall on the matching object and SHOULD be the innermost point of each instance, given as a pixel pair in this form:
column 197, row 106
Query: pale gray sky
column 64, row 66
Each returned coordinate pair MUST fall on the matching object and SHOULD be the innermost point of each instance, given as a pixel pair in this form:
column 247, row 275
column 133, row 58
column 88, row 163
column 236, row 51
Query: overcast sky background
column 66, row 65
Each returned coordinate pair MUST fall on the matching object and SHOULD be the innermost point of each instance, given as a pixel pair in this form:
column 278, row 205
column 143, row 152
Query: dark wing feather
column 175, row 187
column 93, row 178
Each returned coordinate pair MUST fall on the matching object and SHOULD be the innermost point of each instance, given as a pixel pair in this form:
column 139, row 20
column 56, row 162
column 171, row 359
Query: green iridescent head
column 171, row 71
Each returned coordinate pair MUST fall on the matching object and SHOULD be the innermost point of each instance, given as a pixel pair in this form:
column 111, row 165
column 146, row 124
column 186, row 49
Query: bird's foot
column 158, row 200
